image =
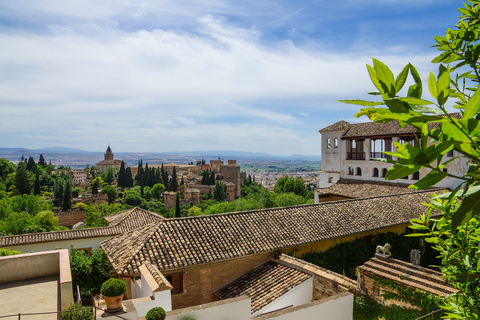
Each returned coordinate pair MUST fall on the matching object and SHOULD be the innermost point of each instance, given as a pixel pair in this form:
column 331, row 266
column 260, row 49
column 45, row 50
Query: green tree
column 121, row 175
column 6, row 167
column 177, row 207
column 132, row 198
column 173, row 181
column 67, row 197
column 456, row 233
column 157, row 191
column 31, row 164
column 109, row 175
column 128, row 178
column 37, row 183
column 7, row 252
column 96, row 183
column 195, row 211
column 22, row 179
column 88, row 272
column 111, row 192
column 47, row 220
column 218, row 191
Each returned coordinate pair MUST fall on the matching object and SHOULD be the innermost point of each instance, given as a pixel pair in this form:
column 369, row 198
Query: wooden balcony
column 355, row 155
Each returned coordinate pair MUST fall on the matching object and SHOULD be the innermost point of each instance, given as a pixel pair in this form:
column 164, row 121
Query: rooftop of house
column 407, row 274
column 119, row 223
column 264, row 284
column 371, row 129
column 355, row 188
column 182, row 242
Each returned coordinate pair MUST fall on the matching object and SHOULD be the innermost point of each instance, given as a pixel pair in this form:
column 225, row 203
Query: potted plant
column 112, row 291
column 156, row 314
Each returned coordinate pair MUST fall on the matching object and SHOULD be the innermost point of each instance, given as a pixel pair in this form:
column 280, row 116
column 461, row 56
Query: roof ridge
column 295, row 206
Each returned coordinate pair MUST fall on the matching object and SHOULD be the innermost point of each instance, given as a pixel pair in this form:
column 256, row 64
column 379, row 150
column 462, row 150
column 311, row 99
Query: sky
column 160, row 75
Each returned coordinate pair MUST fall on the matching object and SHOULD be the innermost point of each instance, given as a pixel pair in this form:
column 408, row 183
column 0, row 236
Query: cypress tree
column 67, row 197
column 139, row 175
column 41, row 161
column 181, row 182
column 37, row 183
column 212, row 178
column 146, row 173
column 128, row 178
column 203, row 177
column 165, row 177
column 22, row 181
column 151, row 178
column 121, row 176
column 158, row 176
column 177, row 206
column 30, row 163
column 174, row 182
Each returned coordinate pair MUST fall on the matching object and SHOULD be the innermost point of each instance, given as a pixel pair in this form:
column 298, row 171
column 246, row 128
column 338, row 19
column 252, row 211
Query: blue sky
column 153, row 76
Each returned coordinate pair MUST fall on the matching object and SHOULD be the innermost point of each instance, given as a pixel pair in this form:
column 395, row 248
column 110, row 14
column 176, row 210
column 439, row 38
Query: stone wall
column 71, row 217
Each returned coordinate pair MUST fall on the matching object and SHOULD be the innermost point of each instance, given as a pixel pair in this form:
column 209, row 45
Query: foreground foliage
column 456, row 234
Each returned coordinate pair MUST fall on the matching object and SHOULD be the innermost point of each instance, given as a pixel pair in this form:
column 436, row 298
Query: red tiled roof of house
column 182, row 242
column 120, row 222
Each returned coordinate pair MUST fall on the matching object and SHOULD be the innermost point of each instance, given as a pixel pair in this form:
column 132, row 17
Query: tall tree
column 30, row 164
column 121, row 175
column 67, row 197
column 139, row 175
column 174, row 182
column 218, row 191
column 177, row 207
column 165, row 177
column 128, row 178
column 22, row 180
column 37, row 183
column 41, row 161
column 158, row 176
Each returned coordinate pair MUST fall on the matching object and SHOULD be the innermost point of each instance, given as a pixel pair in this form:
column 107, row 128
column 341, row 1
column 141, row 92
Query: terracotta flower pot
column 113, row 303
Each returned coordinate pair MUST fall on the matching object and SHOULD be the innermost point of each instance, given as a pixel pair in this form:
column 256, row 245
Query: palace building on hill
column 103, row 165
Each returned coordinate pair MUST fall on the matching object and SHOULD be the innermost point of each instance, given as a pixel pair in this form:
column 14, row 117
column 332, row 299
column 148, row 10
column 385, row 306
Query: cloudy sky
column 161, row 75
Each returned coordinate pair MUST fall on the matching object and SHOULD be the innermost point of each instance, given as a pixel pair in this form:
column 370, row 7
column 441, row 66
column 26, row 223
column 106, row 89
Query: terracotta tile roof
column 182, row 242
column 160, row 283
column 371, row 129
column 353, row 188
column 264, row 284
column 407, row 274
column 121, row 222
column 340, row 125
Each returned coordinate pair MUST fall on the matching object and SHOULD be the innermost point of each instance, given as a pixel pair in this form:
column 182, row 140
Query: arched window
column 384, row 172
column 375, row 172
column 359, row 171
column 329, row 143
column 335, row 143
column 350, row 171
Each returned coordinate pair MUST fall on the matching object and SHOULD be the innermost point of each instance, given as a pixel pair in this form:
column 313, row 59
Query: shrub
column 113, row 287
column 155, row 314
column 86, row 314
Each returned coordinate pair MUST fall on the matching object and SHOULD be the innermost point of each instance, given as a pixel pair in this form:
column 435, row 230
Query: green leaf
column 416, row 101
column 424, row 136
column 466, row 277
column 416, row 89
column 473, row 106
column 470, row 203
column 374, row 78
column 362, row 102
column 401, row 78
column 432, row 178
column 385, row 77
column 443, row 85
column 432, row 85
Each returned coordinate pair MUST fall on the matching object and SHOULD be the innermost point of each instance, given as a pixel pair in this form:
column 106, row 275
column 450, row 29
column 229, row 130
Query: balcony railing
column 380, row 155
column 355, row 155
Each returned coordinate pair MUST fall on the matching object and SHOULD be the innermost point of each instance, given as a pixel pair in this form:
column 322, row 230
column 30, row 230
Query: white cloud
column 213, row 86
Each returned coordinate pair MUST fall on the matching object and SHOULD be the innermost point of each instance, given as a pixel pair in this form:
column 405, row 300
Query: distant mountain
column 223, row 154
column 62, row 150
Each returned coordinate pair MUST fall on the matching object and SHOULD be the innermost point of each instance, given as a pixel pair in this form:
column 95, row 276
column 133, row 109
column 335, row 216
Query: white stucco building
column 348, row 151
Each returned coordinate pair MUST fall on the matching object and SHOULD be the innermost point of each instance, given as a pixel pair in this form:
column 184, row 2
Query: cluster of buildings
column 243, row 265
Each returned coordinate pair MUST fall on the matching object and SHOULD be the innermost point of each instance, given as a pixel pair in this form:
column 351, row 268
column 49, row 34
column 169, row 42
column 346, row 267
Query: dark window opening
column 359, row 171
column 416, row 176
column 384, row 172
column 375, row 172
column 176, row 280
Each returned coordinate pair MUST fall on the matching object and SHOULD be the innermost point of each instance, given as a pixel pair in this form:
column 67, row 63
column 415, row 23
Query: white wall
column 299, row 295
column 338, row 307
column 93, row 243
column 229, row 309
